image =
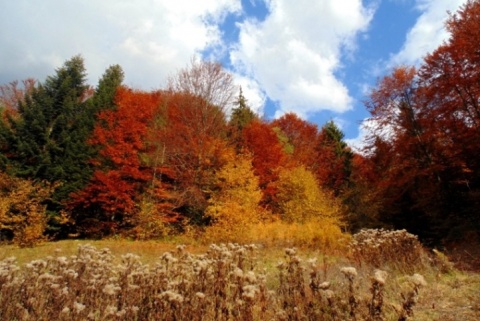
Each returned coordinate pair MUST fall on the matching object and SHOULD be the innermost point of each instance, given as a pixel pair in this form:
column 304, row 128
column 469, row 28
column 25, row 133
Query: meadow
column 380, row 275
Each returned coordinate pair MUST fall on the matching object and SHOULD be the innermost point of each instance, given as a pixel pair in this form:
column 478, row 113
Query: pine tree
column 242, row 115
column 48, row 139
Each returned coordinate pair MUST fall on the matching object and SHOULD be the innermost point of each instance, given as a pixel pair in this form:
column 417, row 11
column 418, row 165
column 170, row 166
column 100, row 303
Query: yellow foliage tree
column 300, row 198
column 234, row 207
column 22, row 211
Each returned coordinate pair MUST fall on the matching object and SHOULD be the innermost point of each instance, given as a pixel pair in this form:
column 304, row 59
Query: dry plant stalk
column 221, row 284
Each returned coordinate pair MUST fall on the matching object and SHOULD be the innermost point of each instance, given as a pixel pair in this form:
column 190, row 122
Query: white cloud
column 427, row 33
column 149, row 39
column 295, row 52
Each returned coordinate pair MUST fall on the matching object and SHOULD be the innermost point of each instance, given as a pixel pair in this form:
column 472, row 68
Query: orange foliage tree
column 430, row 118
column 193, row 144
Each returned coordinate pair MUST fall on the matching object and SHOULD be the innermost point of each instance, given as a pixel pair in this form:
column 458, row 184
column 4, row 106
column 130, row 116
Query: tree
column 433, row 118
column 122, row 177
column 334, row 159
column 240, row 117
column 241, row 114
column 47, row 139
column 22, row 210
column 234, row 205
column 207, row 80
column 11, row 94
column 193, row 144
column 301, row 136
column 259, row 139
column 301, row 199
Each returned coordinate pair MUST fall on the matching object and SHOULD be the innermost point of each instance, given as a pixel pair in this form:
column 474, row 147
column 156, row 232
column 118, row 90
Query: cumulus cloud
column 149, row 39
column 427, row 33
column 295, row 52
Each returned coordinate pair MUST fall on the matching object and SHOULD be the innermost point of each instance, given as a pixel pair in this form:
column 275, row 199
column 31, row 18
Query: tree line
column 112, row 160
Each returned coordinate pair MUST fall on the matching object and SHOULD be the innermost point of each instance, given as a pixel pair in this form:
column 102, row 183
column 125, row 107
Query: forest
column 109, row 160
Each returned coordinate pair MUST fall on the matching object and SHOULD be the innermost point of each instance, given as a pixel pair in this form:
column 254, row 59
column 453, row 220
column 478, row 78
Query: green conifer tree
column 49, row 138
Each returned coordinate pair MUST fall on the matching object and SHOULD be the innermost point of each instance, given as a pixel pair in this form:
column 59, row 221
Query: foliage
column 120, row 177
column 335, row 159
column 300, row 199
column 424, row 148
column 234, row 206
column 149, row 221
column 269, row 158
column 194, row 147
column 22, row 210
column 241, row 114
column 300, row 136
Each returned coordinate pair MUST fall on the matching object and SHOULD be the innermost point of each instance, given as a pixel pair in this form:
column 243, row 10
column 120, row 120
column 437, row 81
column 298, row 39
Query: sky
column 316, row 58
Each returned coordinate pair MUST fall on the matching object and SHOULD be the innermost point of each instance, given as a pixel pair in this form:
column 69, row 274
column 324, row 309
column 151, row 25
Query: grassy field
column 78, row 280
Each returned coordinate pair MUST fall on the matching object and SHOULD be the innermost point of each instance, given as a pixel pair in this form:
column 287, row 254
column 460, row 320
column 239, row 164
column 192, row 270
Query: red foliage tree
column 122, row 176
column 269, row 157
column 427, row 162
column 302, row 136
column 193, row 145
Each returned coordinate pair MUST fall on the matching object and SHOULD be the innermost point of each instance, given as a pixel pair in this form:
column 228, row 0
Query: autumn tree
column 300, row 136
column 13, row 93
column 22, row 210
column 428, row 134
column 451, row 91
column 235, row 203
column 194, row 138
column 205, row 79
column 192, row 144
column 301, row 199
column 261, row 140
column 109, row 201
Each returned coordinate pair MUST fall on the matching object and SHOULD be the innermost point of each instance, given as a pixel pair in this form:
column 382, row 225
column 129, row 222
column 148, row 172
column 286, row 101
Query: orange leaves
column 120, row 135
column 427, row 167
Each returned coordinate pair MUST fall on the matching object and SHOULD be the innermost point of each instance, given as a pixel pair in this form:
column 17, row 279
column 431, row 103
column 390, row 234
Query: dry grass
column 70, row 280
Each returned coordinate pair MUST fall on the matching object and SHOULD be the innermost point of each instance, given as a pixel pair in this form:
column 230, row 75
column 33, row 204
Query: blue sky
column 317, row 58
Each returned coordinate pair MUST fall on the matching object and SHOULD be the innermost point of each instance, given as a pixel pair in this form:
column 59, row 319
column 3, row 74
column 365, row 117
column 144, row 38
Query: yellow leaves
column 234, row 207
column 300, row 199
column 21, row 209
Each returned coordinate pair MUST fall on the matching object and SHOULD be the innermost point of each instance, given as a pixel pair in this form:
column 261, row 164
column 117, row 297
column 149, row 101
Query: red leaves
column 120, row 134
column 301, row 135
column 268, row 155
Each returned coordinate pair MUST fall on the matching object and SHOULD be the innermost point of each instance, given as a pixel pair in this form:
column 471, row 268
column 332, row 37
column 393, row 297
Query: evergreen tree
column 335, row 158
column 242, row 115
column 48, row 139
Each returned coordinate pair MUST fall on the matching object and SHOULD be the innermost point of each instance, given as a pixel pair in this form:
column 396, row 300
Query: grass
column 196, row 282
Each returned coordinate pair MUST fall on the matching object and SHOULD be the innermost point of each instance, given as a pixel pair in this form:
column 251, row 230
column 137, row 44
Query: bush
column 379, row 247
column 22, row 209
